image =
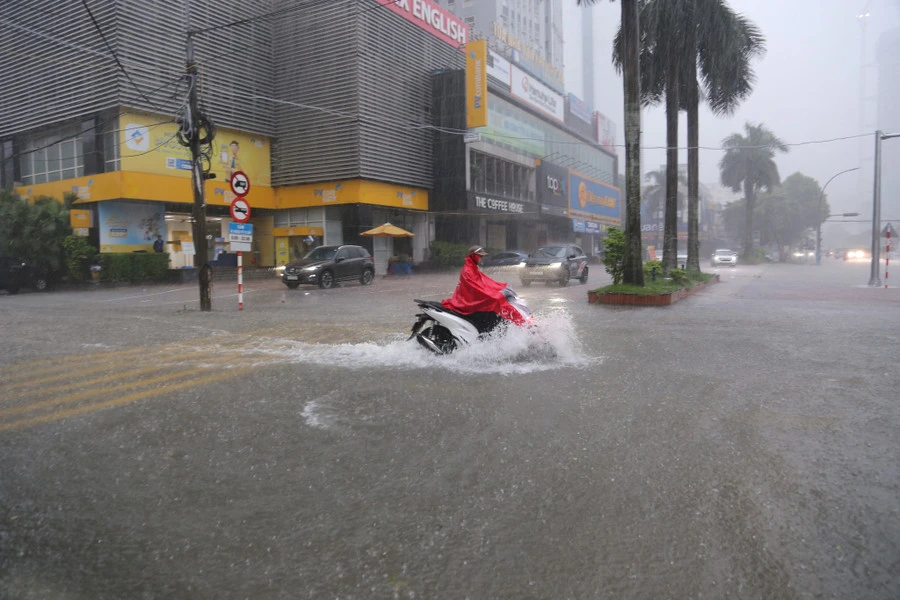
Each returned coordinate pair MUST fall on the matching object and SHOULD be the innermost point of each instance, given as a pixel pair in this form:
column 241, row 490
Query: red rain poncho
column 476, row 292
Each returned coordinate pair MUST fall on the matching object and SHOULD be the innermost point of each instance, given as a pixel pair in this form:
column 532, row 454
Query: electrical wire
column 116, row 57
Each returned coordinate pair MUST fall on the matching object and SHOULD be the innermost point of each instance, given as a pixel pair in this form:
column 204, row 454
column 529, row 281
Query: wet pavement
column 741, row 443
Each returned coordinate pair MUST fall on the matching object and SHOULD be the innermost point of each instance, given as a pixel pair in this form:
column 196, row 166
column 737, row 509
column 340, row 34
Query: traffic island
column 654, row 295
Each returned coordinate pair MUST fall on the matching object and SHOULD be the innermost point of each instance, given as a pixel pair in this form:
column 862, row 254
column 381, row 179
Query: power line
column 116, row 58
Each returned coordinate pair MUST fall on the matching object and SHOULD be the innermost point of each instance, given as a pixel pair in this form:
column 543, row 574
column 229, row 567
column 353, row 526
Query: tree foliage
column 614, row 253
column 784, row 215
column 749, row 163
column 34, row 230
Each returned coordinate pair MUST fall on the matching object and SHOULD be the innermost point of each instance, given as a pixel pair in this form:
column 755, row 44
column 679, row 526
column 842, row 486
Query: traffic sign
column 240, row 236
column 889, row 230
column 240, row 210
column 240, row 183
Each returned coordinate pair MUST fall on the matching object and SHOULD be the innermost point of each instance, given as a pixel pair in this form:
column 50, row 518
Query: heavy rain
column 385, row 299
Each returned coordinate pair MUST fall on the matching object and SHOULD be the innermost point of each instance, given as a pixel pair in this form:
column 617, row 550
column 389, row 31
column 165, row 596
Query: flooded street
column 741, row 443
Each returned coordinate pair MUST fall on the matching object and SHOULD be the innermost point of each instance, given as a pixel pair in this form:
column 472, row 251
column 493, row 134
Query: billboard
column 498, row 68
column 579, row 108
column 605, row 131
column 530, row 90
column 429, row 16
column 130, row 226
column 149, row 144
column 476, row 84
column 553, row 185
column 594, row 201
column 506, row 129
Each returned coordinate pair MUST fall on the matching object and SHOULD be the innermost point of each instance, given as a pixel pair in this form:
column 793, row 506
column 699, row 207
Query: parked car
column 507, row 258
column 558, row 262
column 724, row 256
column 327, row 265
column 13, row 274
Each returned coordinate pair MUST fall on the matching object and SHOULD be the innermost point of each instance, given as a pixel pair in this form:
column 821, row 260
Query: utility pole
column 190, row 128
column 875, row 274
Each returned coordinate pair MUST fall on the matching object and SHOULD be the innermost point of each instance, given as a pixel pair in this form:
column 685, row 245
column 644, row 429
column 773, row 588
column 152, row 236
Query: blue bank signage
column 594, row 201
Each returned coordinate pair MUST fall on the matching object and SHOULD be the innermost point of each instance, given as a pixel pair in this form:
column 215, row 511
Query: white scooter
column 442, row 330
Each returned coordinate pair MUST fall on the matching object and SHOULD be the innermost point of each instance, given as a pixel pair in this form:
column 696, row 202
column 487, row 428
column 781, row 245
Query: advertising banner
column 605, row 131
column 498, row 68
column 148, row 144
column 553, row 185
column 351, row 191
column 476, row 84
column 594, row 201
column 579, row 109
column 525, row 54
column 429, row 16
column 130, row 226
column 509, row 131
column 530, row 90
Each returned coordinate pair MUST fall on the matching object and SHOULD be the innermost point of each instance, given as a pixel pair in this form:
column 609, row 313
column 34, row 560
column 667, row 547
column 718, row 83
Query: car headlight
column 312, row 268
column 522, row 264
column 279, row 271
column 555, row 265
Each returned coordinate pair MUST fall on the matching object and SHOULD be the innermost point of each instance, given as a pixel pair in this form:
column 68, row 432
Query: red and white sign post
column 887, row 255
column 240, row 213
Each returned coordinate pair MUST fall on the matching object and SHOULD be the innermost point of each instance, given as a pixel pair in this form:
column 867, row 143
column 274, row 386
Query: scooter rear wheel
column 437, row 339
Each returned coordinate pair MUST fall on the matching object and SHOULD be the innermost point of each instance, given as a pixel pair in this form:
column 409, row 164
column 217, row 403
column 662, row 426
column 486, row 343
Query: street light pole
column 819, row 215
column 875, row 273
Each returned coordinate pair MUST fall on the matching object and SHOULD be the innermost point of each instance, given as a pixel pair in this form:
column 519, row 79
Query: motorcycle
column 442, row 330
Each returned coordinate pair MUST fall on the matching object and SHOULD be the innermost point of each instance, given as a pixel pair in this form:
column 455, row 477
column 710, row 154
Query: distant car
column 13, row 274
column 326, row 265
column 557, row 262
column 724, row 257
column 507, row 258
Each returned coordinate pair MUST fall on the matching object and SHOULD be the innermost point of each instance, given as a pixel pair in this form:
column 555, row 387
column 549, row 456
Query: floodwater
column 742, row 443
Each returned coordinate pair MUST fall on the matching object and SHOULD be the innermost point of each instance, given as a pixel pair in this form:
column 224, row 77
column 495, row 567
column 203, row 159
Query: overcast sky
column 808, row 88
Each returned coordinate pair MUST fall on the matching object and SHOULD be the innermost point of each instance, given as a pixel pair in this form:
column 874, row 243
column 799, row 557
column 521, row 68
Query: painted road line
column 155, row 392
column 26, row 369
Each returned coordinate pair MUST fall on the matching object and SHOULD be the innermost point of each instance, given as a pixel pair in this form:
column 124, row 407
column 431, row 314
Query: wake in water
column 551, row 344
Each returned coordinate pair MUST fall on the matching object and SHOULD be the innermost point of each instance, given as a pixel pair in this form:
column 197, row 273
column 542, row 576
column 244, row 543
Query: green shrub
column 447, row 254
column 136, row 266
column 613, row 255
column 79, row 255
column 679, row 277
column 649, row 266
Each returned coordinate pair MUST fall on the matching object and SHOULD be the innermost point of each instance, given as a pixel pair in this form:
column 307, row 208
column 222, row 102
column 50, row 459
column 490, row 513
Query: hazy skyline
column 808, row 88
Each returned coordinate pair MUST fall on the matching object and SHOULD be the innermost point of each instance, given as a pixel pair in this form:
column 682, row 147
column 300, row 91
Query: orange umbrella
column 388, row 230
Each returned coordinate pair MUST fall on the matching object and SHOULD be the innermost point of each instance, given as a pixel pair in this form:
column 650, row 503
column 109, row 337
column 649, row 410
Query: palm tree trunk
column 750, row 199
column 633, row 267
column 670, row 235
column 693, row 132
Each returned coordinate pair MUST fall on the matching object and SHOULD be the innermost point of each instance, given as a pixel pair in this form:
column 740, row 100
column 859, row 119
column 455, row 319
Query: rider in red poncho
column 476, row 292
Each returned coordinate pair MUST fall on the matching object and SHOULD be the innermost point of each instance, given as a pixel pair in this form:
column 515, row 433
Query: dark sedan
column 13, row 274
column 327, row 265
column 507, row 258
column 557, row 262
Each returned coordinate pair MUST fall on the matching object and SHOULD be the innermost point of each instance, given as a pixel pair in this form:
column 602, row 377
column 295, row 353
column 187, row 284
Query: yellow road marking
column 220, row 376
column 107, row 367
column 57, row 362
column 121, row 375
column 91, row 392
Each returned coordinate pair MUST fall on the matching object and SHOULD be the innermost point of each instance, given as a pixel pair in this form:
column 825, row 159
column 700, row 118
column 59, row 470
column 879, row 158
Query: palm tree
column 654, row 195
column 676, row 37
column 748, row 162
column 630, row 35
